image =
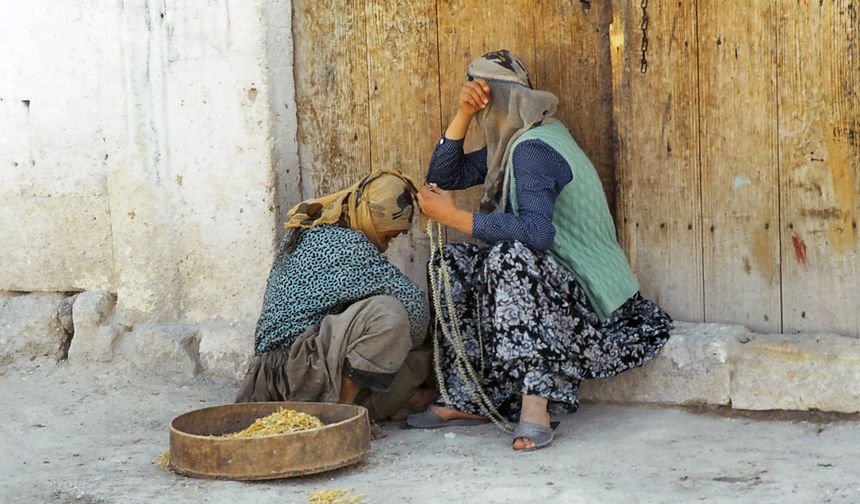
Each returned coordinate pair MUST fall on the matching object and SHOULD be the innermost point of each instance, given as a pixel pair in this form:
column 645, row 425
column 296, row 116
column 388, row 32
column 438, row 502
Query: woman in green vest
column 551, row 300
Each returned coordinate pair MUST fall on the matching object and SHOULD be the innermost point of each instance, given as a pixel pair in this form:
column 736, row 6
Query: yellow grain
column 283, row 421
column 163, row 460
column 335, row 496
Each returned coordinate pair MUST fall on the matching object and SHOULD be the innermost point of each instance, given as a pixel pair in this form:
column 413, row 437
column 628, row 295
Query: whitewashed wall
column 145, row 149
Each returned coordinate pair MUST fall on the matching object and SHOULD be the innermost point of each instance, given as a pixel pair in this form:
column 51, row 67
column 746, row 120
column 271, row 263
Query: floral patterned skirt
column 529, row 329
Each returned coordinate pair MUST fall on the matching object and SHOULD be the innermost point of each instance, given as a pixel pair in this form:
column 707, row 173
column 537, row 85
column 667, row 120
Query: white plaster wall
column 54, row 219
column 148, row 160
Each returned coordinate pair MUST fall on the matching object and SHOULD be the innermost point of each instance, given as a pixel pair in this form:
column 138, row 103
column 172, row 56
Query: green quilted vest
column 585, row 240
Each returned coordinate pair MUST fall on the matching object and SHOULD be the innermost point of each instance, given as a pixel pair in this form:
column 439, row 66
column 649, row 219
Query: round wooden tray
column 343, row 441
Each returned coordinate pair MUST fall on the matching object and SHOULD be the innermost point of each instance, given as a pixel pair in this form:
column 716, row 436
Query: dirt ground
column 73, row 434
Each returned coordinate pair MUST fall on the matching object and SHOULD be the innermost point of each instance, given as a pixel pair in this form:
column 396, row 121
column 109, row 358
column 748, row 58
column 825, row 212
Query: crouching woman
column 339, row 322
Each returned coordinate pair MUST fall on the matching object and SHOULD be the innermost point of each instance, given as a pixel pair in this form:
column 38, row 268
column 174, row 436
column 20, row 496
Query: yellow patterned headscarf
column 381, row 201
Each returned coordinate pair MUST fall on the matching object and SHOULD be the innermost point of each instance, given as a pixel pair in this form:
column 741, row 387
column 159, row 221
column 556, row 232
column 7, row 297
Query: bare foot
column 533, row 411
column 451, row 414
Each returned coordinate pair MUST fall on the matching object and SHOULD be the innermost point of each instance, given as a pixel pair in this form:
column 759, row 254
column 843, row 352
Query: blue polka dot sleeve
column 452, row 169
column 540, row 174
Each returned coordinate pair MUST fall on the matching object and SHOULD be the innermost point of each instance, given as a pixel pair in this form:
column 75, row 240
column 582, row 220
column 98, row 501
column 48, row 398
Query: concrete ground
column 75, row 434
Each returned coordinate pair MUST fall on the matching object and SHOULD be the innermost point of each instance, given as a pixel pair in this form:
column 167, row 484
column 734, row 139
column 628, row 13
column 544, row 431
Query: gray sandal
column 429, row 420
column 539, row 435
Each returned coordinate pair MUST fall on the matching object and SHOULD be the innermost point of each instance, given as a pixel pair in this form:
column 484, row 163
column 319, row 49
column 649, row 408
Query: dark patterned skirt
column 529, row 329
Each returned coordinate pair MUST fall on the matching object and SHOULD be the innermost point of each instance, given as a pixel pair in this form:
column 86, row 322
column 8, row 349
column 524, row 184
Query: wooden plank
column 740, row 197
column 331, row 94
column 404, row 104
column 659, row 183
column 621, row 128
column 819, row 151
column 467, row 29
column 572, row 61
column 404, row 84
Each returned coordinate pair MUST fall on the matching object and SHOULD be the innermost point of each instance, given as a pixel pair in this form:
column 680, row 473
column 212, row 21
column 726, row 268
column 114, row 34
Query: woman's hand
column 439, row 205
column 436, row 203
column 474, row 96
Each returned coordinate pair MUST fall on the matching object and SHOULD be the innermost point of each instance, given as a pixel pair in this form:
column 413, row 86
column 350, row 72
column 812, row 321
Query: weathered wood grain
column 404, row 84
column 621, row 127
column 331, row 94
column 738, row 145
column 572, row 61
column 657, row 115
column 735, row 159
column 819, row 152
column 404, row 104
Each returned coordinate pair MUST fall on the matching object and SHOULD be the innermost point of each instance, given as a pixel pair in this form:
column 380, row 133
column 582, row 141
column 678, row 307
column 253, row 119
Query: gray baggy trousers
column 368, row 343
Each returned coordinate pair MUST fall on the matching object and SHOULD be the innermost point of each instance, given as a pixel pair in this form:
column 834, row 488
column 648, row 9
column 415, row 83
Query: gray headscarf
column 514, row 108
